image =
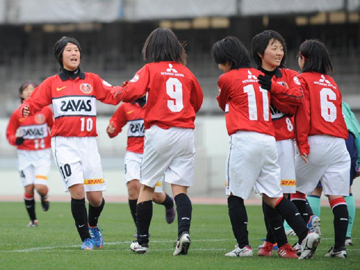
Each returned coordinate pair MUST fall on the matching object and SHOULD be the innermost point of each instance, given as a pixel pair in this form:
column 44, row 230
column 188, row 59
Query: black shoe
column 45, row 204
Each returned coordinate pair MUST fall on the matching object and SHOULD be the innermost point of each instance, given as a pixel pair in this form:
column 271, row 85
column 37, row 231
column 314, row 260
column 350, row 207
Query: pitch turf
column 55, row 244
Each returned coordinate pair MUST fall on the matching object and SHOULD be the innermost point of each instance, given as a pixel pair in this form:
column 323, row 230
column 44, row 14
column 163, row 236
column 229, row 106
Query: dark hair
column 260, row 42
column 163, row 45
column 317, row 57
column 60, row 46
column 24, row 85
column 231, row 50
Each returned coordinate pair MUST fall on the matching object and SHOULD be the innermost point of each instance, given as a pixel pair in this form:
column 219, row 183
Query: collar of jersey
column 64, row 77
column 276, row 72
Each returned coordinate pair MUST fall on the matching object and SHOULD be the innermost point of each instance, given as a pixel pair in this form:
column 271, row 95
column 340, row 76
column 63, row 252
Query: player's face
column 273, row 55
column 224, row 67
column 301, row 61
column 27, row 92
column 71, row 57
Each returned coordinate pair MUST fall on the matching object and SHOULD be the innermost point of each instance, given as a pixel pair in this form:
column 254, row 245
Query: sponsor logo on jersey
column 136, row 128
column 275, row 113
column 60, row 88
column 171, row 69
column 250, row 78
column 98, row 181
column 74, row 106
column 324, row 82
column 135, row 78
column 172, row 72
column 33, row 131
column 86, row 88
column 40, row 118
column 289, row 183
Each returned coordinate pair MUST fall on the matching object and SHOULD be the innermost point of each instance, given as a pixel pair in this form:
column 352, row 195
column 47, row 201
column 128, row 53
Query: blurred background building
column 112, row 33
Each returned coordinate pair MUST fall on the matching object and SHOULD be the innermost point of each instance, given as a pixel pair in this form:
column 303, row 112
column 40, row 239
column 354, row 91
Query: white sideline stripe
column 128, row 242
column 106, row 244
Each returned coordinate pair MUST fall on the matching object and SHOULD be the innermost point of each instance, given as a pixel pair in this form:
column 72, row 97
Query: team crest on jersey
column 283, row 84
column 296, row 80
column 135, row 78
column 39, row 118
column 86, row 88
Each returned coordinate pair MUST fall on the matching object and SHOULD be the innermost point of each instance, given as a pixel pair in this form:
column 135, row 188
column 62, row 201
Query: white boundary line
column 51, row 248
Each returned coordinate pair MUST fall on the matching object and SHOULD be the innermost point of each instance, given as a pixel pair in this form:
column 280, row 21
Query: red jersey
column 248, row 105
column 74, row 102
column 34, row 129
column 321, row 112
column 282, row 113
column 174, row 94
column 133, row 114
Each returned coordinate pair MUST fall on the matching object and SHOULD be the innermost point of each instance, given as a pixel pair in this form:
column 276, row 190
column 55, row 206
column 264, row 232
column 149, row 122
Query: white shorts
column 286, row 161
column 329, row 162
column 34, row 166
column 252, row 162
column 132, row 164
column 168, row 152
column 79, row 162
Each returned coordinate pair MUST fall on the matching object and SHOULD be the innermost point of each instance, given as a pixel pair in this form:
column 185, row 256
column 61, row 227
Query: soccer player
column 73, row 94
column 353, row 147
column 320, row 134
column 31, row 136
column 174, row 98
column 133, row 115
column 270, row 53
column 252, row 160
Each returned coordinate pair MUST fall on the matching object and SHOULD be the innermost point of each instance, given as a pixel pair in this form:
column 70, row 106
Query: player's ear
column 260, row 55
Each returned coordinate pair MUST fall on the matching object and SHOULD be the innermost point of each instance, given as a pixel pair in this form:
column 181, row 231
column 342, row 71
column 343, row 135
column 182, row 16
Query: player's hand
column 19, row 140
column 25, row 112
column 110, row 129
column 305, row 157
column 265, row 82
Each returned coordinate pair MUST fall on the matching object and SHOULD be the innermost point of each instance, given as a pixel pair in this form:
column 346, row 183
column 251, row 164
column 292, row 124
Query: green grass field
column 55, row 244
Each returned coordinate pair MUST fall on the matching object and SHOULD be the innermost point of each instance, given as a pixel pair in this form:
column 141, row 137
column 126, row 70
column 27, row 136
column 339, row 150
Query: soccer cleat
column 314, row 224
column 96, row 236
column 45, row 204
column 341, row 253
column 139, row 248
column 33, row 223
column 287, row 251
column 298, row 248
column 266, row 249
column 170, row 215
column 182, row 245
column 348, row 241
column 309, row 245
column 88, row 244
column 240, row 252
column 290, row 232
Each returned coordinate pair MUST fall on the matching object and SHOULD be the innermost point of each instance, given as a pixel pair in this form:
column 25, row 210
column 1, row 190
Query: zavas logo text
column 137, row 127
column 30, row 132
column 76, row 105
